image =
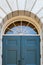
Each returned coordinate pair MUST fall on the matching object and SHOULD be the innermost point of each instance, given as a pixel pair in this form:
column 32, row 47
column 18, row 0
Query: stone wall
column 42, row 43
column 0, row 46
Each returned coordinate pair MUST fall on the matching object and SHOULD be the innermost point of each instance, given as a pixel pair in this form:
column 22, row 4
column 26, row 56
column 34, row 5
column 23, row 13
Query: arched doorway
column 21, row 44
column 23, row 49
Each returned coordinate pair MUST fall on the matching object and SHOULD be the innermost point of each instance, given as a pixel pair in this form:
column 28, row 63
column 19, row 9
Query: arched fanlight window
column 19, row 27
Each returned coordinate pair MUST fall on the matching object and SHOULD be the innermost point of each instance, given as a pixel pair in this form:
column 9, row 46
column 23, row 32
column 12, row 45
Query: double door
column 21, row 50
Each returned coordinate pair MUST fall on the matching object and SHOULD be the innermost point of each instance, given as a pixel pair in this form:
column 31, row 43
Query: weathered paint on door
column 21, row 50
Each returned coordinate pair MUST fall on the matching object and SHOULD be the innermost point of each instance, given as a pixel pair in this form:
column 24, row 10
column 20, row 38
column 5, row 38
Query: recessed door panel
column 30, row 50
column 11, row 50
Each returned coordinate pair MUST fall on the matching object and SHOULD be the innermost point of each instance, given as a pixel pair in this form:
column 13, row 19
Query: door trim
column 21, row 34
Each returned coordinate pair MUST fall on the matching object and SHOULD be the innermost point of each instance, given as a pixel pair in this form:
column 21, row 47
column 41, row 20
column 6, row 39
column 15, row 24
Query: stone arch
column 18, row 16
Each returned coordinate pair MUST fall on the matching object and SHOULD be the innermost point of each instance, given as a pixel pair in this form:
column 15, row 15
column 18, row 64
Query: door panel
column 21, row 50
column 30, row 50
column 11, row 50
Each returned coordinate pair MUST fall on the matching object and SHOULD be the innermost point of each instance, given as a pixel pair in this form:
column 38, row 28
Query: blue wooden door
column 30, row 52
column 21, row 50
column 11, row 50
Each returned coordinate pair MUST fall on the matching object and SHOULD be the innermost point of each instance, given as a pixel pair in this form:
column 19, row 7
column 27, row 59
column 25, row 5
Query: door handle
column 19, row 62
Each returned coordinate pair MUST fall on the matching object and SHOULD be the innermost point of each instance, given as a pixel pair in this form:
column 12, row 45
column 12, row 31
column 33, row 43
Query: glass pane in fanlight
column 24, row 30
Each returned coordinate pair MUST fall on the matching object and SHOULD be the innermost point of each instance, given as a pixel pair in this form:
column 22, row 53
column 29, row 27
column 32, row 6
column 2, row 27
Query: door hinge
column 2, row 55
column 40, row 39
column 40, row 55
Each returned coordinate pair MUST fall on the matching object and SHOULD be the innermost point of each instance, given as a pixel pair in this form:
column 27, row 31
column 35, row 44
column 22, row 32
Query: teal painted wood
column 11, row 50
column 30, row 50
column 21, row 50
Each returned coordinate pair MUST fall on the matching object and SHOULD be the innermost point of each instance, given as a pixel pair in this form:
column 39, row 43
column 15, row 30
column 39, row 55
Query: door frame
column 20, row 35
